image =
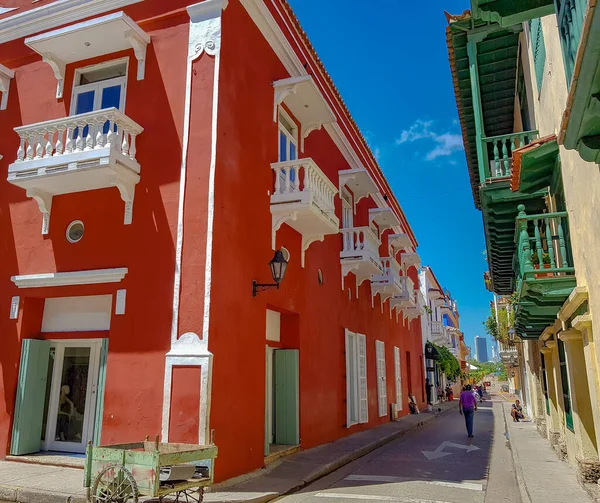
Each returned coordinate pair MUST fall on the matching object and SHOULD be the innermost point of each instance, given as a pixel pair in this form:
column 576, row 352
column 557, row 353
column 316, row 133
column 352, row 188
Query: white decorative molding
column 57, row 13
column 4, row 10
column 90, row 277
column 204, row 35
column 44, row 201
column 120, row 301
column 89, row 39
column 6, row 75
column 58, row 68
column 359, row 182
column 14, row 307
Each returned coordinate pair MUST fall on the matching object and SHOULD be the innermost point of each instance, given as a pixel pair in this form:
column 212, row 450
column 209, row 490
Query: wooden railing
column 570, row 23
column 545, row 247
column 500, row 149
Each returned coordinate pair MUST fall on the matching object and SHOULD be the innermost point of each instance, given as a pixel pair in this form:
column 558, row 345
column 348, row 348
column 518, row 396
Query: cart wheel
column 190, row 496
column 114, row 484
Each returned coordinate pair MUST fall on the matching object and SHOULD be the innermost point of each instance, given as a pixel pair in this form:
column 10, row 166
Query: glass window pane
column 111, row 97
column 85, row 102
column 282, row 147
column 293, row 153
column 73, row 393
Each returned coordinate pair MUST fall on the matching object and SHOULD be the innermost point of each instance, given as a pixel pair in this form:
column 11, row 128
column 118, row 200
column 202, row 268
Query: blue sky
column 389, row 60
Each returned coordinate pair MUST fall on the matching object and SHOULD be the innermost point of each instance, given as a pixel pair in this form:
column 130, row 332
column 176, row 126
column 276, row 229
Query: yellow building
column 527, row 82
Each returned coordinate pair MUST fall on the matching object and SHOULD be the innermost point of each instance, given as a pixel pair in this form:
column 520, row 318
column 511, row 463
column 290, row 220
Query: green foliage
column 448, row 363
column 499, row 331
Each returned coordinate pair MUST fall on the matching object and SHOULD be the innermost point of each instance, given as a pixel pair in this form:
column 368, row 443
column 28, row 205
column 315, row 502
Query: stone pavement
column 541, row 476
column 34, row 483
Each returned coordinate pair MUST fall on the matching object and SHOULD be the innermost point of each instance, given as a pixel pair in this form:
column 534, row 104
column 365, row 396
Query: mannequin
column 66, row 410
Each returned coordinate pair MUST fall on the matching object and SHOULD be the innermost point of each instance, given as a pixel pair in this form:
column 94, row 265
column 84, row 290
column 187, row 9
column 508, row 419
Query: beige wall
column 581, row 184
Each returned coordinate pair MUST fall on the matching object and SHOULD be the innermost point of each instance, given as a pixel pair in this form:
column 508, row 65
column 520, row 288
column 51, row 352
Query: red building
column 130, row 316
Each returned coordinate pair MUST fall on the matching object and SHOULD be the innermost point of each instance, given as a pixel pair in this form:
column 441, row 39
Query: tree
column 485, row 369
column 447, row 362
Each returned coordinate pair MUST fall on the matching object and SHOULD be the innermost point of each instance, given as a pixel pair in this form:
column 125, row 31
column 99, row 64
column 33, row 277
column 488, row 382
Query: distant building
column 481, row 354
column 494, row 354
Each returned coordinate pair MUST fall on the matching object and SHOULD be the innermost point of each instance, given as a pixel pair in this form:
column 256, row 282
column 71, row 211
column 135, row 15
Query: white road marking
column 386, row 478
column 439, row 452
column 375, row 498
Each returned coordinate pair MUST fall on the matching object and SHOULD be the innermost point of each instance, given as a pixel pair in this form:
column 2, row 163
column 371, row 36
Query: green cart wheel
column 114, row 484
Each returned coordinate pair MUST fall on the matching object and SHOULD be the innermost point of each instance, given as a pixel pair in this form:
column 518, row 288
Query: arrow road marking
column 439, row 452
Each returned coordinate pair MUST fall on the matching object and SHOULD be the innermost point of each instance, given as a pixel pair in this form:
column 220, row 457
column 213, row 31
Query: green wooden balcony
column 579, row 27
column 570, row 23
column 544, row 272
column 499, row 151
column 510, row 12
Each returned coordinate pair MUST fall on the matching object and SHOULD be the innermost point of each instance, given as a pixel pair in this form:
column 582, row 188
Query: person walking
column 467, row 407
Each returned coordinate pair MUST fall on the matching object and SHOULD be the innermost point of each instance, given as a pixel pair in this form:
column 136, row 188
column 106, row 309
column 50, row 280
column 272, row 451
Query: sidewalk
column 541, row 476
column 32, row 483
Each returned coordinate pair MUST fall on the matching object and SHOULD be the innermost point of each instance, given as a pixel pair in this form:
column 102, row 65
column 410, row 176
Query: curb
column 525, row 497
column 332, row 466
column 22, row 495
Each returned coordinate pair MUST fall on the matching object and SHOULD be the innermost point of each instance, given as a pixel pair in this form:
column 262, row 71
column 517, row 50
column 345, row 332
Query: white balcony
column 414, row 311
column 438, row 335
column 407, row 298
column 410, row 259
column 389, row 283
column 303, row 198
column 508, row 354
column 82, row 152
column 360, row 254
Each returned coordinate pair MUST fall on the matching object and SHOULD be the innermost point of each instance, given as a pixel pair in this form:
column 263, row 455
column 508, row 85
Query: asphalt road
column 453, row 468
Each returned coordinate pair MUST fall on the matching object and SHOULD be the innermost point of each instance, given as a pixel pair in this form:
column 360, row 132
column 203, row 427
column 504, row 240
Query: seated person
column 517, row 411
column 412, row 404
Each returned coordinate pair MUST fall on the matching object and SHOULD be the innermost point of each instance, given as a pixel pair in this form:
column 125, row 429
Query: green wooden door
column 31, row 391
column 100, row 392
column 287, row 395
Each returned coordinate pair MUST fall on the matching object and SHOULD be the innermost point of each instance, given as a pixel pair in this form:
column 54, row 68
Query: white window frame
column 347, row 210
column 98, row 86
column 356, row 366
column 381, row 378
column 398, row 377
column 292, row 136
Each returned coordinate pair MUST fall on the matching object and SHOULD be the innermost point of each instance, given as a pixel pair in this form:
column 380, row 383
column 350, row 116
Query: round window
column 75, row 231
column 320, row 276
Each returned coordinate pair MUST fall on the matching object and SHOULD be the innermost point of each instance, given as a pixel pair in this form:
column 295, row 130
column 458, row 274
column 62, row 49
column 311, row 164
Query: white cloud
column 445, row 143
column 377, row 154
column 418, row 131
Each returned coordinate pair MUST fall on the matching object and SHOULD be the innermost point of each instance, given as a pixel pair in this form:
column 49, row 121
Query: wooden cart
column 118, row 473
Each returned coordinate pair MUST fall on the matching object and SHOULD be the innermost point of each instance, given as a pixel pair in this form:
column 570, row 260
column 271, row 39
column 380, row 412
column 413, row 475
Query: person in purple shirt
column 467, row 406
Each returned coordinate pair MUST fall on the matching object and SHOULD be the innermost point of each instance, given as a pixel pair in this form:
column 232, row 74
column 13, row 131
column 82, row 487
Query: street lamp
column 278, row 266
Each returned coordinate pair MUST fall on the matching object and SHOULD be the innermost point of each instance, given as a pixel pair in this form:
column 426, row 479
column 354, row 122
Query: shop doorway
column 282, row 393
column 59, row 395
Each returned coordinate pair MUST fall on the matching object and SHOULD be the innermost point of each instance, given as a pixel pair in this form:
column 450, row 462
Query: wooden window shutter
column 398, row 376
column 31, row 391
column 381, row 378
column 539, row 50
column 363, row 409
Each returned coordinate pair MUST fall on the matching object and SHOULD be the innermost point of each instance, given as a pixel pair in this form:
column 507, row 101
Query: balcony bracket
column 278, row 220
column 44, row 201
column 58, row 67
column 5, row 76
column 139, row 49
column 307, row 241
column 126, row 185
column 354, row 268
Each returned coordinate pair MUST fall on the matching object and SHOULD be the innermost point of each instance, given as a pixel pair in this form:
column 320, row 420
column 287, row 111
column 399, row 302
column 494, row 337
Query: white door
column 381, row 381
column 71, row 395
column 398, row 377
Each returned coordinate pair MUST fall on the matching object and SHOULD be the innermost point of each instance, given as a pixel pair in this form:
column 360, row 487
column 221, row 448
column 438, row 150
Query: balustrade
column 78, row 133
column 303, row 177
column 360, row 239
column 501, row 148
column 541, row 241
column 436, row 328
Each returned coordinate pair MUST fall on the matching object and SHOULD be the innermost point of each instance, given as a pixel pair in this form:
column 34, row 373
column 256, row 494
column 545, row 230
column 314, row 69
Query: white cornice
column 55, row 14
column 91, row 277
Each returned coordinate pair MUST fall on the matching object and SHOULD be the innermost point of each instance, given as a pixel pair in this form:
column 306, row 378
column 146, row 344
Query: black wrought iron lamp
column 278, row 266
